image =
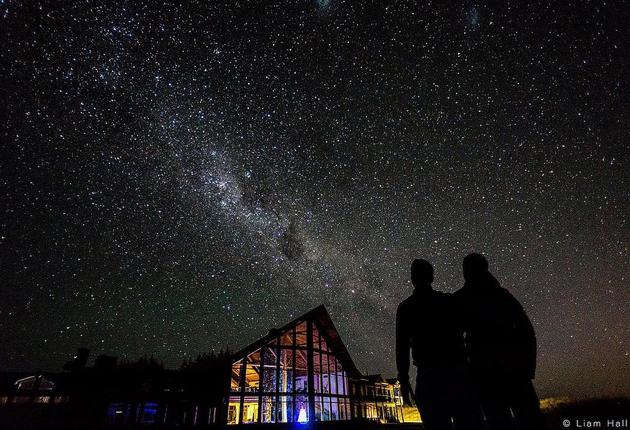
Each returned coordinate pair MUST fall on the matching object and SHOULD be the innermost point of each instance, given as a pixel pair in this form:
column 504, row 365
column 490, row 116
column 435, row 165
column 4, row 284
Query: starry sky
column 177, row 178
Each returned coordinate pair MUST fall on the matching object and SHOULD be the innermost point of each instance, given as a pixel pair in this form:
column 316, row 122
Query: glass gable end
column 294, row 377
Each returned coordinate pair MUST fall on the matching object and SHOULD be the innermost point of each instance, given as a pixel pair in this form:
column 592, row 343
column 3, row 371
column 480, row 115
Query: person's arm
column 527, row 338
column 403, row 342
column 459, row 311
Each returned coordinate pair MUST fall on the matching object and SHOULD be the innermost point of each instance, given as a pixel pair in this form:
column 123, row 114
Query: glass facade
column 376, row 399
column 293, row 377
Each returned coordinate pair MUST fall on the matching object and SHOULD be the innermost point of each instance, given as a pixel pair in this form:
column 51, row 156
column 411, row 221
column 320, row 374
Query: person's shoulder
column 406, row 309
column 511, row 297
column 446, row 299
column 408, row 302
column 443, row 295
column 461, row 294
column 500, row 290
column 506, row 296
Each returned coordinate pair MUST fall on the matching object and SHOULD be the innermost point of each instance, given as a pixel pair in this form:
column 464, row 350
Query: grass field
column 559, row 411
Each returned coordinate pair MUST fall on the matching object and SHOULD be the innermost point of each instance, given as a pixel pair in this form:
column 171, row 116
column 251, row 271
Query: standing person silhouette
column 426, row 322
column 501, row 349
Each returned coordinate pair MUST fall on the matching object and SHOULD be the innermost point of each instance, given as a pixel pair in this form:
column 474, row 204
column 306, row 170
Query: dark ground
column 592, row 413
column 581, row 414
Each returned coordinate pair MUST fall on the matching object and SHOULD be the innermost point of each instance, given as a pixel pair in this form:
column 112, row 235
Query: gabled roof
column 34, row 382
column 324, row 323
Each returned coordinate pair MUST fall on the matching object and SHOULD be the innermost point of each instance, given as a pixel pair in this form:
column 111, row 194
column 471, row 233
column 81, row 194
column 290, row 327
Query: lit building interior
column 298, row 373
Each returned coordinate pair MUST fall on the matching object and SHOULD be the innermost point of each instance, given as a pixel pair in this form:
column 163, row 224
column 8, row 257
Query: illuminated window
column 149, row 413
column 234, row 406
column 118, row 413
column 270, row 379
column 236, row 383
column 21, row 399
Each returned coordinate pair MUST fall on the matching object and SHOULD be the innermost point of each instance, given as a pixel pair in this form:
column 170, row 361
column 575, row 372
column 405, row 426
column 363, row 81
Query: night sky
column 181, row 178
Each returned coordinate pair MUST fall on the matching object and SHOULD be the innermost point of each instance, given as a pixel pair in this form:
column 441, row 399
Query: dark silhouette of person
column 501, row 349
column 426, row 322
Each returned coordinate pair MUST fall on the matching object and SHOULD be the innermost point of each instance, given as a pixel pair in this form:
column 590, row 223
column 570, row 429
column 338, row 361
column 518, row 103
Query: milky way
column 177, row 179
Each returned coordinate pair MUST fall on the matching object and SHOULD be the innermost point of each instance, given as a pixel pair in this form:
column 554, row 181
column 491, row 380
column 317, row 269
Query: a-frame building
column 300, row 372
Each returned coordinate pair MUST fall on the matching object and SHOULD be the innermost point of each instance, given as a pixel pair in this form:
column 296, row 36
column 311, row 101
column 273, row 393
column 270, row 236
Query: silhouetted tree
column 105, row 362
column 207, row 361
column 143, row 363
column 208, row 377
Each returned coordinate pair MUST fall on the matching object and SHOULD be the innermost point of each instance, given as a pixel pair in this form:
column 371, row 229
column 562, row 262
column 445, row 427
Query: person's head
column 421, row 273
column 475, row 265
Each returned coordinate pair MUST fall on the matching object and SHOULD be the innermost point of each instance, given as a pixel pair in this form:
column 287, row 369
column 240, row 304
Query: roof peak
column 320, row 316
